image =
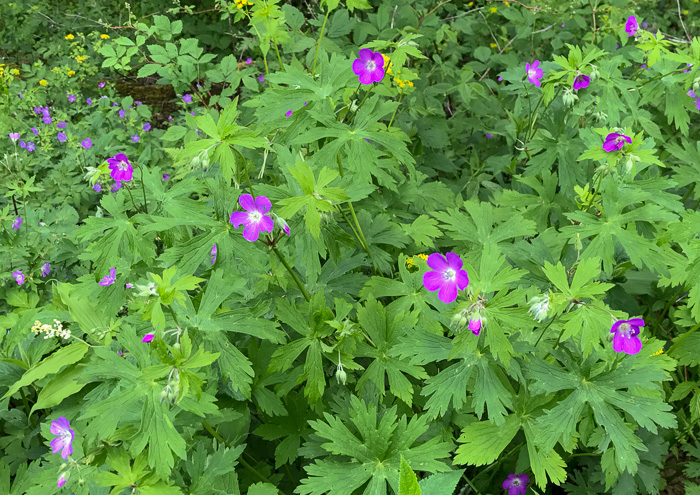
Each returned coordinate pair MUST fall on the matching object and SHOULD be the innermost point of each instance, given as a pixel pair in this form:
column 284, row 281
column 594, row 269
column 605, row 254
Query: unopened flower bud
column 696, row 85
column 577, row 243
column 569, row 98
column 475, row 324
column 600, row 116
column 341, row 375
column 594, row 73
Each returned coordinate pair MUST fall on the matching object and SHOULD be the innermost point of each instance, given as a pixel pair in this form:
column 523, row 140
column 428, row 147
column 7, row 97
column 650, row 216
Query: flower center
column 618, row 141
column 122, row 165
column 531, row 73
column 370, row 65
column 625, row 329
column 449, row 274
column 516, row 482
column 255, row 216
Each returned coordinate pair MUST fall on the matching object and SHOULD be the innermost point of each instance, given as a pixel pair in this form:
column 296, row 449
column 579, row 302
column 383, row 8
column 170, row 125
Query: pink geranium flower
column 534, row 73
column 64, row 441
column 254, row 217
column 615, row 141
column 631, row 26
column 109, row 279
column 581, row 81
column 516, row 484
column 120, row 167
column 369, row 67
column 625, row 338
column 148, row 337
column 447, row 276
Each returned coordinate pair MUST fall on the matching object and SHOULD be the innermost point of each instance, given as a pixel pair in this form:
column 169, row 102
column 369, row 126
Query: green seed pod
column 341, row 375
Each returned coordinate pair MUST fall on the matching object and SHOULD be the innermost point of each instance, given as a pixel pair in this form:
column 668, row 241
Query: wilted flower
column 148, row 337
column 117, row 185
column 625, row 338
column 475, row 324
column 447, row 276
column 166, row 176
column 539, row 306
column 369, row 67
column 187, row 98
column 64, row 441
column 19, row 277
column 631, row 26
column 534, row 73
column 213, row 254
column 516, row 484
column 488, row 135
column 120, row 167
column 254, row 217
column 109, row 279
column 615, row 141
column 581, row 81
column 16, row 223
column 45, row 269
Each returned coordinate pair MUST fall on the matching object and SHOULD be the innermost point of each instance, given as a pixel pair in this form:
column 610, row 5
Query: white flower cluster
column 539, row 306
column 49, row 330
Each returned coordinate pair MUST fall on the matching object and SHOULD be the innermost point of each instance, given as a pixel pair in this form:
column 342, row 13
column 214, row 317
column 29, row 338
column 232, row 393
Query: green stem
column 464, row 476
column 688, row 193
column 320, row 38
column 247, row 175
column 132, row 199
column 595, row 193
column 279, row 59
column 359, row 106
column 143, row 188
column 361, row 235
column 292, row 273
column 682, row 338
column 395, row 110
column 544, row 330
column 556, row 344
column 533, row 130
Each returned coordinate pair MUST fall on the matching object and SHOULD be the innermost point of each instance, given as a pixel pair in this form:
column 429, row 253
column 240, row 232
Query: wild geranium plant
column 344, row 248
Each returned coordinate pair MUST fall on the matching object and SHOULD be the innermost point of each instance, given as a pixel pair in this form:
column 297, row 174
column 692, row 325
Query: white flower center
column 449, row 274
column 370, row 65
column 516, row 482
column 625, row 329
column 255, row 216
column 531, row 73
column 122, row 165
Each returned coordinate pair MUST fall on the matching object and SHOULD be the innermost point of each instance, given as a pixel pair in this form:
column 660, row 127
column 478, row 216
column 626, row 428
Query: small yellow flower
column 70, row 37
column 11, row 4
column 410, row 84
column 470, row 4
column 71, row 73
column 685, row 12
column 80, row 59
column 239, row 5
column 493, row 45
column 409, row 262
column 35, row 7
column 507, row 4
column 43, row 82
column 402, row 84
column 104, row 36
column 657, row 353
column 423, row 256
column 15, row 72
column 696, row 1
column 494, row 10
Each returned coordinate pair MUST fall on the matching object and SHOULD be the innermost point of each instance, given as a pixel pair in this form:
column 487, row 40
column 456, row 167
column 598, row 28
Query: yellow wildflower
column 43, row 82
column 15, row 72
column 2, row 69
column 494, row 10
column 70, row 37
column 507, row 4
column 423, row 256
column 657, row 353
column 410, row 84
column 470, row 4
column 35, row 7
column 10, row 4
column 685, row 12
column 493, row 45
column 409, row 262
column 71, row 73
column 80, row 59
column 104, row 36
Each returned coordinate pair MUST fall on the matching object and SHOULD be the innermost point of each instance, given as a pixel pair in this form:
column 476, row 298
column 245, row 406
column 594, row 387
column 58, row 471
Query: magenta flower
column 254, row 217
column 101, row 85
column 47, row 119
column 447, row 276
column 138, row 103
column 148, row 337
column 128, row 286
column 121, row 168
column 147, row 126
column 36, row 133
column 187, row 98
column 14, row 136
column 625, row 338
column 22, row 144
column 117, row 185
column 86, row 143
column 369, row 67
column 475, row 325
column 61, row 136
column 534, row 73
column 19, row 277
column 71, row 98
column 615, row 141
column 16, row 223
column 261, row 78
column 288, row 114
column 581, row 81
column 135, row 138
column 97, row 187
column 248, row 61
column 516, row 484
column 166, row 176
column 45, row 269
column 489, row 136
column 30, row 147
column 631, row 26
column 88, row 101
column 213, row 254
column 64, row 441
column 61, row 125
column 109, row 279
column 63, row 478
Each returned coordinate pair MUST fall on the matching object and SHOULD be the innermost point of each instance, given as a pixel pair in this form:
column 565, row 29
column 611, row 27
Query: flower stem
column 683, row 337
column 292, row 273
column 247, row 175
column 595, row 193
column 395, row 110
column 359, row 106
column 279, row 59
column 320, row 38
column 143, row 188
column 544, row 330
column 132, row 199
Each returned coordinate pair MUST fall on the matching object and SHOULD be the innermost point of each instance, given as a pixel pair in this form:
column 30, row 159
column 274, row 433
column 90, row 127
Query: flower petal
column 432, row 281
column 616, row 325
column 462, row 279
column 251, row 232
column 366, row 54
column 358, row 67
column 57, row 444
column 448, row 292
column 632, row 345
column 437, row 261
column 266, row 224
column 246, row 201
column 637, row 322
column 238, row 218
column 454, row 261
column 262, row 204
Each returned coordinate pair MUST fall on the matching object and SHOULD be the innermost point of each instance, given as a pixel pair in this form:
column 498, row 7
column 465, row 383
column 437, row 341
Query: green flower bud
column 594, row 73
column 341, row 375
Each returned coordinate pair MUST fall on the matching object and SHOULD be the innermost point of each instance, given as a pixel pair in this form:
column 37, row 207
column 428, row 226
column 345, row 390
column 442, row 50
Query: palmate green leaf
column 408, row 483
column 385, row 329
column 366, row 450
column 484, row 441
column 423, row 230
column 441, row 483
column 290, row 428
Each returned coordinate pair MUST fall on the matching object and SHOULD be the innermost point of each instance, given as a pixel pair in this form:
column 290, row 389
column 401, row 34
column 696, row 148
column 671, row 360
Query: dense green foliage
column 319, row 358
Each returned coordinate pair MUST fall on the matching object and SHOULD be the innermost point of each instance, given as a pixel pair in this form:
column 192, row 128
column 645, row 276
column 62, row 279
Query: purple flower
column 500, row 79
column 166, row 176
column 248, row 61
column 138, row 103
column 121, row 114
column 261, row 78
column 615, row 141
column 64, row 440
column 14, row 136
column 63, row 478
column 697, row 104
column 213, row 254
column 19, row 277
column 187, row 98
column 61, row 125
column 37, row 110
column 71, row 98
column 30, row 147
column 254, row 217
column 170, row 117
column 117, row 185
column 369, row 67
column 147, row 126
column 16, row 223
column 135, row 138
column 306, row 103
column 45, row 269
column 88, row 101
column 97, row 187
column 534, row 73
column 115, row 104
column 36, row 133
column 489, row 136
column 581, row 81
column 563, row 24
column 475, row 325
column 101, row 85
column 20, row 95
column 645, row 24
column 86, row 143
column 148, row 337
column 109, row 279
column 45, row 111
column 22, row 144
column 47, row 119
column 128, row 286
column 447, row 276
column 61, row 136
column 516, row 484
column 691, row 93
column 120, row 167
column 288, row 114
column 631, row 26
column 625, row 338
